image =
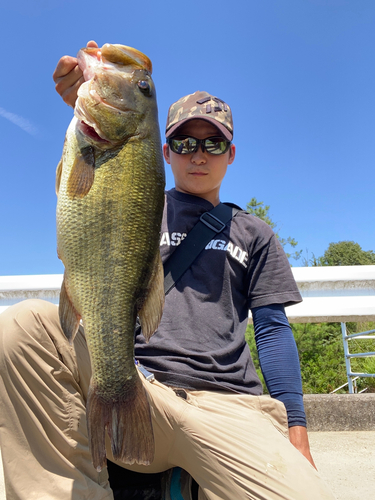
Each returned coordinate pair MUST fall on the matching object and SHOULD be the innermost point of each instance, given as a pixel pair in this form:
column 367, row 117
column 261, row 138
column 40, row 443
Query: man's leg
column 242, row 445
column 234, row 446
column 43, row 383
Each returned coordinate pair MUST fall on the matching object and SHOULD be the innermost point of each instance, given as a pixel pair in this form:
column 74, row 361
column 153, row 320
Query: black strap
column 210, row 224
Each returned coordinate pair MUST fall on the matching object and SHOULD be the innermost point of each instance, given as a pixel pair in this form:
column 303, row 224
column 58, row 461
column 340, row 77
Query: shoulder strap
column 209, row 224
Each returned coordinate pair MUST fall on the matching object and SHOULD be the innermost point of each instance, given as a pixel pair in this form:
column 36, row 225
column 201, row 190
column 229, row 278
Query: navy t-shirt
column 200, row 343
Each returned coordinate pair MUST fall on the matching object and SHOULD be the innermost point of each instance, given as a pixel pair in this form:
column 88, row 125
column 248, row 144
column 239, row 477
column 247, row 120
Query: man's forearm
column 279, row 361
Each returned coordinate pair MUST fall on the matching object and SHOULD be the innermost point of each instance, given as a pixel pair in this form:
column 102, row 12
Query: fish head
column 117, row 97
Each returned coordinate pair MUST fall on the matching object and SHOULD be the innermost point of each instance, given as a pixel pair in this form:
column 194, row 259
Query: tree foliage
column 261, row 211
column 321, row 353
column 319, row 369
column 345, row 253
column 320, row 345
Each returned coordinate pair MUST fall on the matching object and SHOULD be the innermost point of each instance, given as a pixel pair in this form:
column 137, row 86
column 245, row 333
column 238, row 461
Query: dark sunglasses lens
column 183, row 146
column 216, row 145
column 188, row 145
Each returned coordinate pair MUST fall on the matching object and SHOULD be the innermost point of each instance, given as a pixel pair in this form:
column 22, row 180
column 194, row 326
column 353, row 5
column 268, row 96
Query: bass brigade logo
column 175, row 238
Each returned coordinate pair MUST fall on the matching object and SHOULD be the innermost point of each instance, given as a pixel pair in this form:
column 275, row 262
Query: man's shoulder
column 251, row 222
column 242, row 220
column 233, row 205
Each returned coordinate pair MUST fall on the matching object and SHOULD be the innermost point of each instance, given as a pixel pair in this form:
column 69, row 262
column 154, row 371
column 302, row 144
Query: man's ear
column 166, row 153
column 232, row 154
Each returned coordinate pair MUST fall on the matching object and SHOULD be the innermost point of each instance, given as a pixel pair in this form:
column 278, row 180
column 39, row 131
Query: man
column 209, row 417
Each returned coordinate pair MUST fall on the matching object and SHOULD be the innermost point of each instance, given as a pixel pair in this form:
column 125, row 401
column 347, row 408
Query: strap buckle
column 212, row 222
column 147, row 375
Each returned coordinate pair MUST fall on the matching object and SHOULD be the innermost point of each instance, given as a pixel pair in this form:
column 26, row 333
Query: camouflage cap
column 204, row 106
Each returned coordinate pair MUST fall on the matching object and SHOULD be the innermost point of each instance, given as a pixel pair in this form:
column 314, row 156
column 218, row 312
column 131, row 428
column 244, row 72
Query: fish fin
column 152, row 309
column 59, row 169
column 69, row 317
column 58, row 176
column 82, row 174
column 129, row 426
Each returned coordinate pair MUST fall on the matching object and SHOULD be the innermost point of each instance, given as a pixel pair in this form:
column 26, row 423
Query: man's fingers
column 70, row 93
column 67, row 86
column 64, row 66
column 68, row 63
column 68, row 77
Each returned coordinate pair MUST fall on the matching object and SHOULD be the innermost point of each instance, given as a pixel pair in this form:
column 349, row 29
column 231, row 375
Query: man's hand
column 299, row 438
column 68, row 77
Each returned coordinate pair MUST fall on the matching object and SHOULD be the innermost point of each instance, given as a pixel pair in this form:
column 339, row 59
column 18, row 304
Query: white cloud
column 19, row 121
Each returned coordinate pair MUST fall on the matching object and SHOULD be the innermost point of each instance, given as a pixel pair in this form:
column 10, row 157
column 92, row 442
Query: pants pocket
column 275, row 411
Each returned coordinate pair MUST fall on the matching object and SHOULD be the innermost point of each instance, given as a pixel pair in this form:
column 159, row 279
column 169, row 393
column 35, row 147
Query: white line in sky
column 19, row 121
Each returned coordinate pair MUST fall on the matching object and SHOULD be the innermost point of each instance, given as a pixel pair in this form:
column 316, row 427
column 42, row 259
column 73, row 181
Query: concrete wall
column 340, row 412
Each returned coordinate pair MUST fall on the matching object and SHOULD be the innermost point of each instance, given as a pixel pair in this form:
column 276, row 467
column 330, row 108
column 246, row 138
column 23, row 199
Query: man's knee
column 29, row 322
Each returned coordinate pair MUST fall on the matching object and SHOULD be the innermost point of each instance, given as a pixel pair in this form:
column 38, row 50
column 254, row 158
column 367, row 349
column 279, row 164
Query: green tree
column 345, row 253
column 261, row 211
column 319, row 345
column 322, row 363
column 321, row 354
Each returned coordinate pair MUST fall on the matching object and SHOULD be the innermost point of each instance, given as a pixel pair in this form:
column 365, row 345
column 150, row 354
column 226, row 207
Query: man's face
column 199, row 173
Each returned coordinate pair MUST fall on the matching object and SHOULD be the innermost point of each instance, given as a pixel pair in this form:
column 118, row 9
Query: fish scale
column 88, row 241
column 109, row 210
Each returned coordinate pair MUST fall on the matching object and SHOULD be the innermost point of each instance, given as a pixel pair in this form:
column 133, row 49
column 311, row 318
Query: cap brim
column 226, row 133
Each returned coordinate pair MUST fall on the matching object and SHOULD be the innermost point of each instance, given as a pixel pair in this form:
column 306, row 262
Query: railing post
column 347, row 358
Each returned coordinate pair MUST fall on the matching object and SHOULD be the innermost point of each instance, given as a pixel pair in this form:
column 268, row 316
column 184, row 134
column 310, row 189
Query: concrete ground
column 346, row 460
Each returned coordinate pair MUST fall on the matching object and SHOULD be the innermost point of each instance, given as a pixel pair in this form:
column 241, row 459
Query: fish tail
column 129, row 426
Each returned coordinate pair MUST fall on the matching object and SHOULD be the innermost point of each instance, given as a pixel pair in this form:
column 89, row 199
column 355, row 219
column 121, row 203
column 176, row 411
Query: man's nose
column 199, row 157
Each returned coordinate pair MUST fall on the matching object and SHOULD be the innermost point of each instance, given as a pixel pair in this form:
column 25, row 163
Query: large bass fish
column 110, row 184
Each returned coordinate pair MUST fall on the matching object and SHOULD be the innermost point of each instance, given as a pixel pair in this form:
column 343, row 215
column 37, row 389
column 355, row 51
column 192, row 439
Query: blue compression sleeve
column 278, row 359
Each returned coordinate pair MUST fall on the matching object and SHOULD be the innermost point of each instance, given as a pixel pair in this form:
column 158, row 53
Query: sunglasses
column 184, row 145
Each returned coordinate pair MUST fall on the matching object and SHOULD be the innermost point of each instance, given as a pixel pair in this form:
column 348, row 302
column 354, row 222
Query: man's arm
column 68, row 77
column 279, row 362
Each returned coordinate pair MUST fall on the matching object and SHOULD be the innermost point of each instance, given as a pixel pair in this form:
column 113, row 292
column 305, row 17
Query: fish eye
column 144, row 87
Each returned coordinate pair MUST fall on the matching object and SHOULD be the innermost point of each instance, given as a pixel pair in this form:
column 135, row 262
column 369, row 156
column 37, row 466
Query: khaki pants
column 235, row 446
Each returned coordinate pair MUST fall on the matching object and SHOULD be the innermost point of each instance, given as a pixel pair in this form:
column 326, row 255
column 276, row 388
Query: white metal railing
column 353, row 376
column 13, row 289
column 330, row 294
column 347, row 383
column 334, row 294
column 340, row 294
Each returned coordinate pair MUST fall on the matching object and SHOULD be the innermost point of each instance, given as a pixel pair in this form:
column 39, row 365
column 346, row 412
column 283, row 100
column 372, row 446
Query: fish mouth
column 87, row 126
column 89, row 60
column 90, row 132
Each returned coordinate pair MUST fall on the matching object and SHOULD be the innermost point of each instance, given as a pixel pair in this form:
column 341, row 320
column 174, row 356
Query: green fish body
column 110, row 184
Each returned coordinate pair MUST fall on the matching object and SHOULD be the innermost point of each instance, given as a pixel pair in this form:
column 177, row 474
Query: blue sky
column 298, row 74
